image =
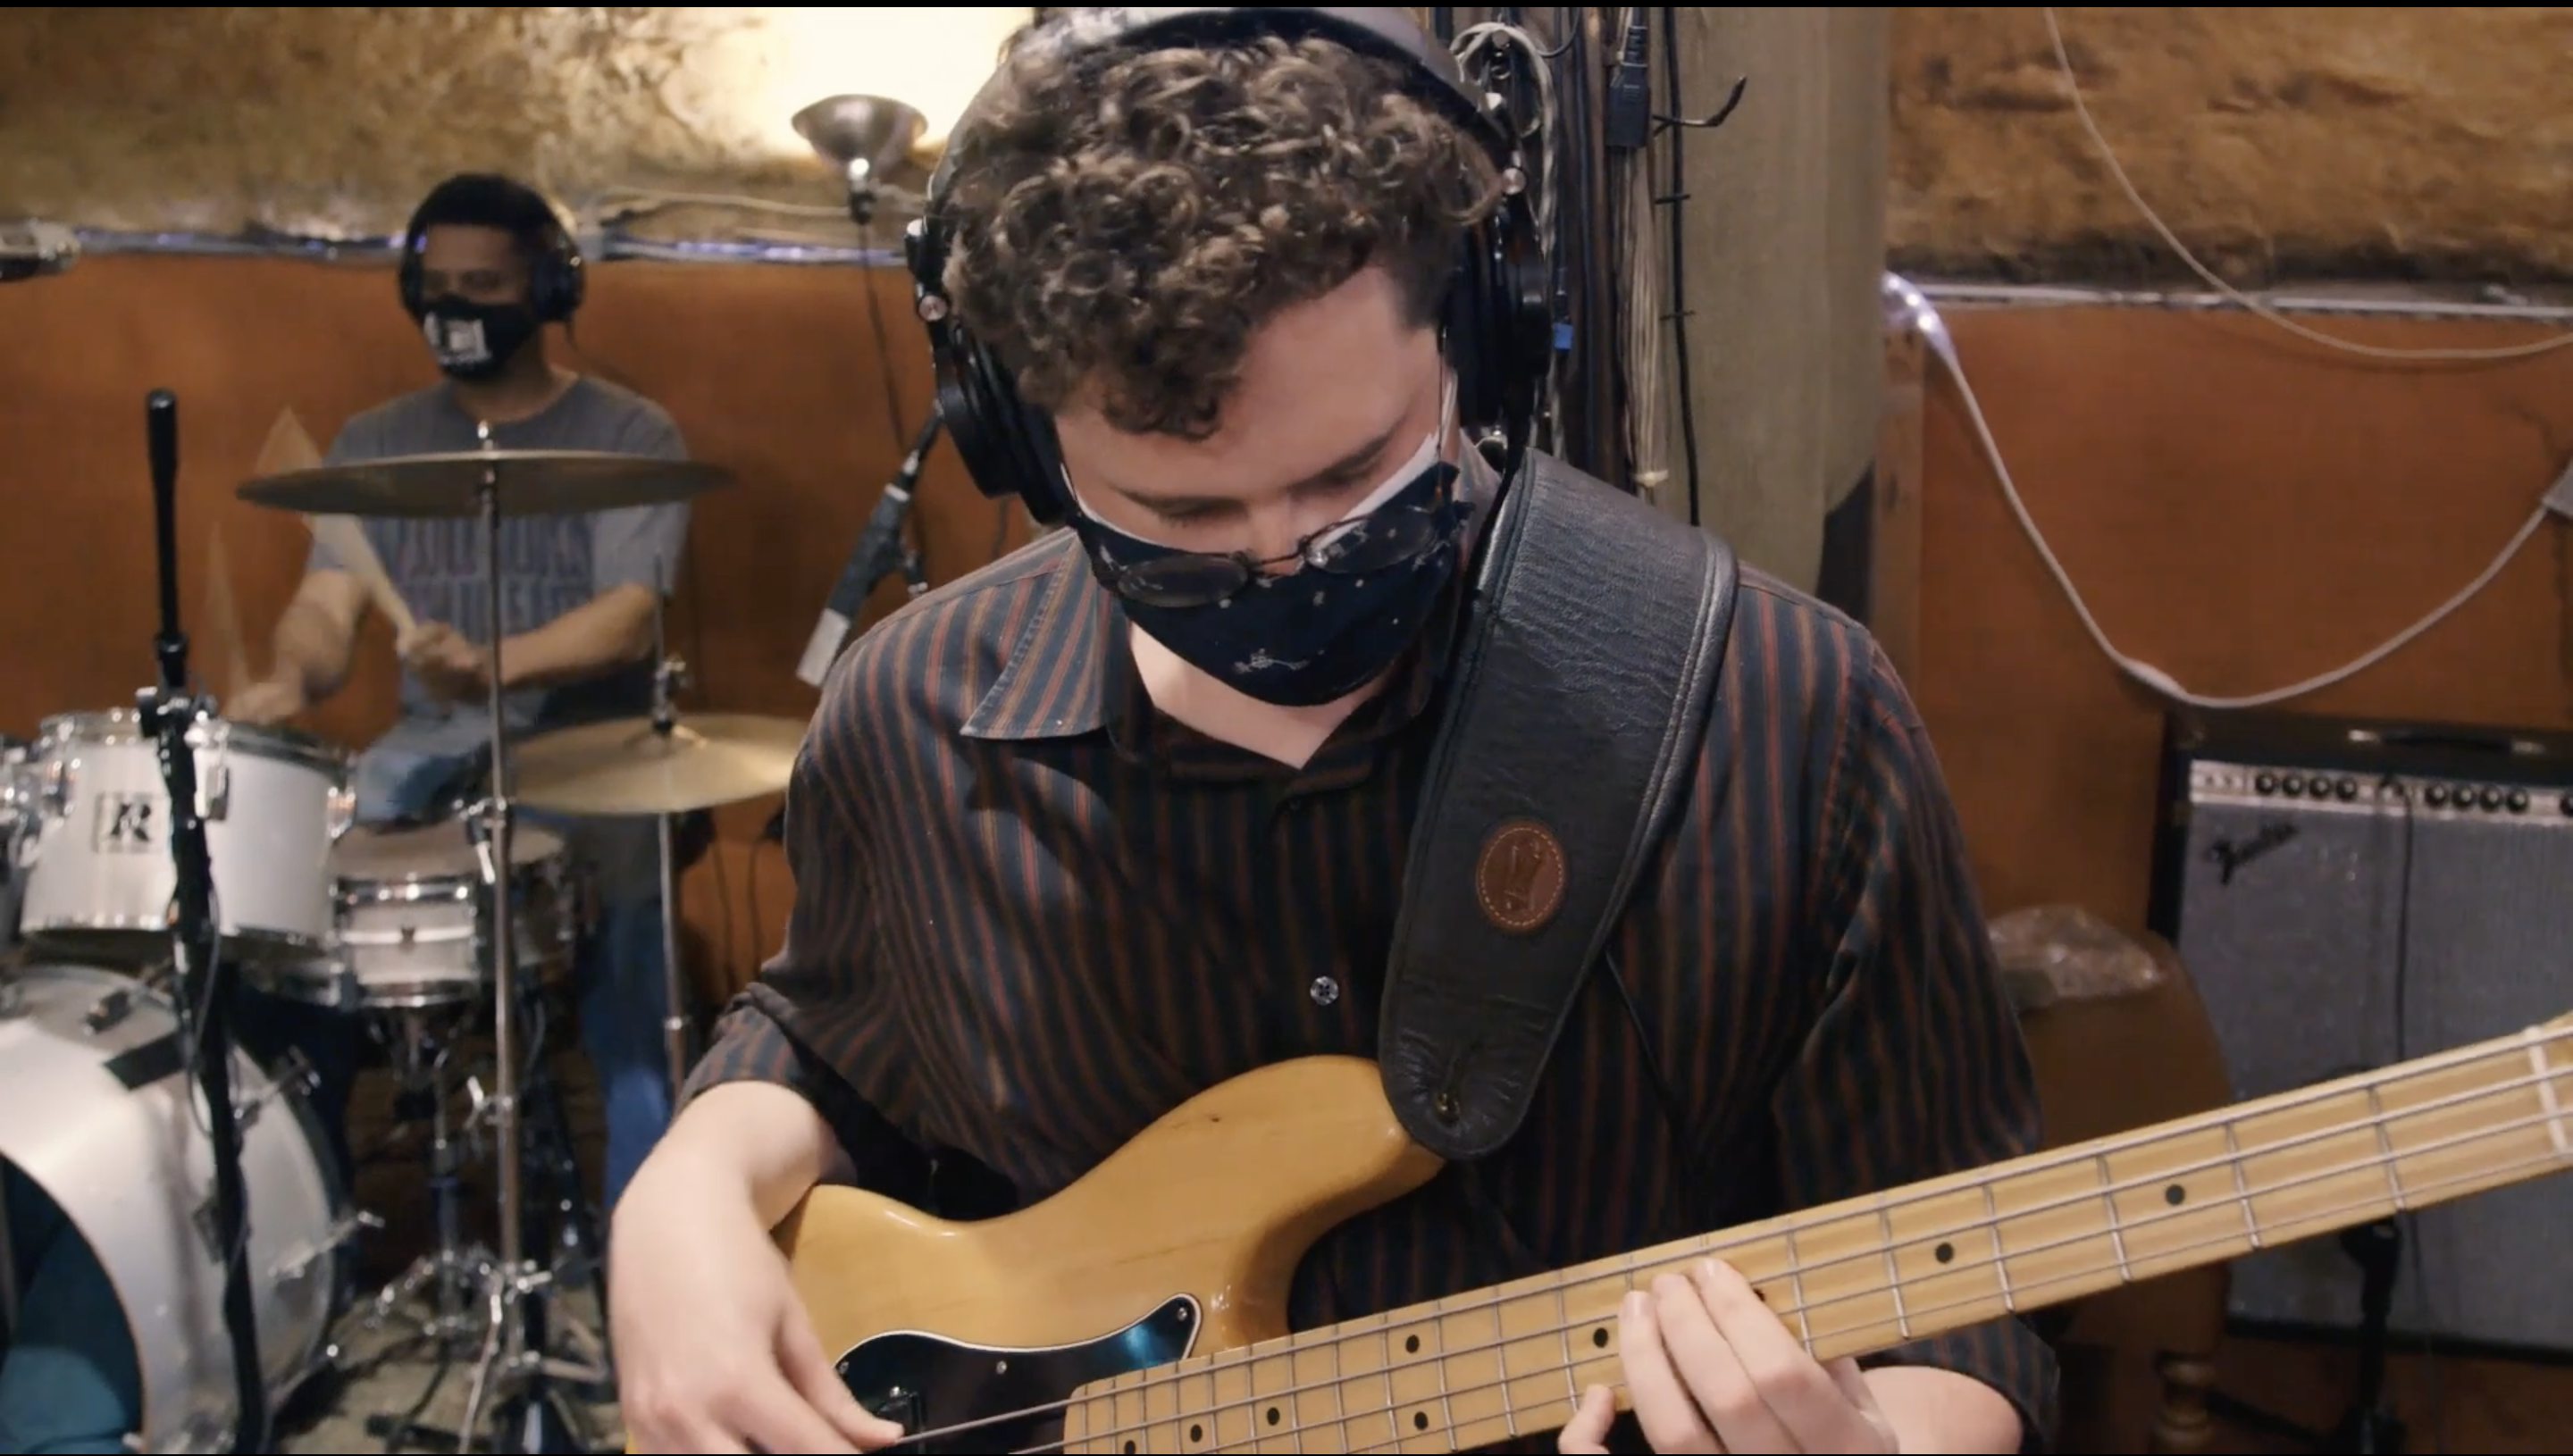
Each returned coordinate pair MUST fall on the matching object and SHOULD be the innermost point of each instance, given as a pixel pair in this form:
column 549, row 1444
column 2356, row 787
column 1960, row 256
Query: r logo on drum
column 121, row 824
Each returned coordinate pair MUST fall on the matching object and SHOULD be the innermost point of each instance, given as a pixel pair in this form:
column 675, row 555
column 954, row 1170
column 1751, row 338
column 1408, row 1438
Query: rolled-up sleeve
column 816, row 1002
column 1914, row 1067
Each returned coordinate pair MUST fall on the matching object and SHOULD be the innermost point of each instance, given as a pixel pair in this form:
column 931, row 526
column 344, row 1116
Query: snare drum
column 102, row 878
column 412, row 918
column 98, row 1109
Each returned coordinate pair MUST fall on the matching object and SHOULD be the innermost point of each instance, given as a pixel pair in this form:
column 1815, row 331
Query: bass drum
column 99, row 1110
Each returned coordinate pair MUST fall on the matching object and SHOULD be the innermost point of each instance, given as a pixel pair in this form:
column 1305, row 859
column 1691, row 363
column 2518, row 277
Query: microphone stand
column 202, row 972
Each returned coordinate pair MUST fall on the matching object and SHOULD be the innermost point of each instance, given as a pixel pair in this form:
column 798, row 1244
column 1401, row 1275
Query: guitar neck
column 1867, row 1274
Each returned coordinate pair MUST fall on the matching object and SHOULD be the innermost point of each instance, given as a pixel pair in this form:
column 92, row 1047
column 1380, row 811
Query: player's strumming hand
column 714, row 1353
column 1712, row 1369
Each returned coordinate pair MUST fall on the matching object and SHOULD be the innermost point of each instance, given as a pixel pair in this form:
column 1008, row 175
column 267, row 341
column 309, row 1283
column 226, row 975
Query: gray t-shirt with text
column 550, row 565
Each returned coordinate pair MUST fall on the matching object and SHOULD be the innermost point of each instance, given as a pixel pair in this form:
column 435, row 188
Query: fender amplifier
column 2348, row 895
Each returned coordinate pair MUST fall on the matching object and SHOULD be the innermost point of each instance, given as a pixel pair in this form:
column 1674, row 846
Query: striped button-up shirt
column 1033, row 914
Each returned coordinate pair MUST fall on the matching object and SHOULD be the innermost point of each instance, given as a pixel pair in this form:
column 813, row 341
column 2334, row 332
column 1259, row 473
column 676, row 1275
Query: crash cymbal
column 625, row 766
column 533, row 482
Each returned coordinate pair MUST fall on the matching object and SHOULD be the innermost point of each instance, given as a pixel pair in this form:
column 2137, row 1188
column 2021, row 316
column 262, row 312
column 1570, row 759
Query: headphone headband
column 1496, row 323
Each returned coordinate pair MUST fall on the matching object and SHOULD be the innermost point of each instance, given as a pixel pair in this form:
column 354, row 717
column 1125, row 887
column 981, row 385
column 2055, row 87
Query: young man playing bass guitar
column 1123, row 816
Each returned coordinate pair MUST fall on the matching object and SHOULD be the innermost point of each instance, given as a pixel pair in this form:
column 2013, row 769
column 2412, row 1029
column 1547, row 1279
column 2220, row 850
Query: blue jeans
column 618, row 967
column 69, row 1382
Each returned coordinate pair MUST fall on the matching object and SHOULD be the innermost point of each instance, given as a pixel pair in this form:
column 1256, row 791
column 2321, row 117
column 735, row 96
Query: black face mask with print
column 475, row 341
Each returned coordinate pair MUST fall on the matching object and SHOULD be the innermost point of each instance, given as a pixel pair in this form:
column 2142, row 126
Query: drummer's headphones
column 557, row 280
column 1496, row 326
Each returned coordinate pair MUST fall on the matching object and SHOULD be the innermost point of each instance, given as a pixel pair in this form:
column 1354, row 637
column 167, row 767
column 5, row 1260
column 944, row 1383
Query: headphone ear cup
column 1003, row 443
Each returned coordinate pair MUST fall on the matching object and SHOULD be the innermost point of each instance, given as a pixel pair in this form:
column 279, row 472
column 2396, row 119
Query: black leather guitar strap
column 1575, row 711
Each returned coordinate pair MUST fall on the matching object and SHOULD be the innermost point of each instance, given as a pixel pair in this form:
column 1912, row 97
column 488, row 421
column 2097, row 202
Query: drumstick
column 347, row 541
column 224, row 614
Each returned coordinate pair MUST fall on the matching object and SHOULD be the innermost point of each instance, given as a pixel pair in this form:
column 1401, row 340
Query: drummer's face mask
column 475, row 341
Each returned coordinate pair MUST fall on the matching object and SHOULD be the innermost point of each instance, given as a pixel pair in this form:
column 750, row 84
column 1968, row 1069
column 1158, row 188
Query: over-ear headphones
column 558, row 279
column 1496, row 324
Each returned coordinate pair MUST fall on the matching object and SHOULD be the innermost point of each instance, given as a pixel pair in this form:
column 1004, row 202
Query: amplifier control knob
column 2438, row 794
column 2345, row 790
column 2491, row 797
column 2292, row 786
column 2566, row 804
column 2518, row 801
column 2269, row 784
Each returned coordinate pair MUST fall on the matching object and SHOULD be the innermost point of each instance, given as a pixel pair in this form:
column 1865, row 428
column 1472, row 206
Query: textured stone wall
column 332, row 122
column 2300, row 141
column 2350, row 141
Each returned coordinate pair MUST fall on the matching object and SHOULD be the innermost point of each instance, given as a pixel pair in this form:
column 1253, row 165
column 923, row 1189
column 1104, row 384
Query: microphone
column 879, row 554
column 161, row 435
column 34, row 250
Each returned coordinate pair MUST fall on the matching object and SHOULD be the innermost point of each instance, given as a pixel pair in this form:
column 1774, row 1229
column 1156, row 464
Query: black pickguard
column 957, row 1397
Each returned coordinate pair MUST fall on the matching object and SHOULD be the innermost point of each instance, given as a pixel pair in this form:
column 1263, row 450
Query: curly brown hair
column 1123, row 219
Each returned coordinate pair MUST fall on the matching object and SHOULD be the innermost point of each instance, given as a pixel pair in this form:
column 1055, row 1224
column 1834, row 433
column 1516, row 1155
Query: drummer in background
column 488, row 264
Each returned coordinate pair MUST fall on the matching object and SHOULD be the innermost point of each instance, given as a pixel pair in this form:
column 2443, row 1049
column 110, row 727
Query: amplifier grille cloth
column 2293, row 926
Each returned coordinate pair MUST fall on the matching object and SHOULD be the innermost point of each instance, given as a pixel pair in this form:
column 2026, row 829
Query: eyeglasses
column 1380, row 541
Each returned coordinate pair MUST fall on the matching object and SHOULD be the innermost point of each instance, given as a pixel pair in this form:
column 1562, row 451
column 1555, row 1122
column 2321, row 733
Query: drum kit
column 418, row 926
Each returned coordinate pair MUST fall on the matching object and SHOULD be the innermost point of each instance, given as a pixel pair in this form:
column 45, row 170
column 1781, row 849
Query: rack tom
column 99, row 879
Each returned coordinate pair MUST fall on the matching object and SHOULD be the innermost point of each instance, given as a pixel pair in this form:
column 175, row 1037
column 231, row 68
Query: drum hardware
column 513, row 1371
column 167, row 714
column 452, row 1266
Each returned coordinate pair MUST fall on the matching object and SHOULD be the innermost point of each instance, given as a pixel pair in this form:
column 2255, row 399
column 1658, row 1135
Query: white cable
column 1906, row 304
column 2179, row 249
column 1646, row 441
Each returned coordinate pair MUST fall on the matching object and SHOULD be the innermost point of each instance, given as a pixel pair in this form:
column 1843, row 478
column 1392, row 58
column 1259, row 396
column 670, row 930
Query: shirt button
column 1326, row 991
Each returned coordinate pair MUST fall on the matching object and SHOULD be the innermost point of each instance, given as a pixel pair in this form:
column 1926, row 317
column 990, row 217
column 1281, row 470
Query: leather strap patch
column 1520, row 876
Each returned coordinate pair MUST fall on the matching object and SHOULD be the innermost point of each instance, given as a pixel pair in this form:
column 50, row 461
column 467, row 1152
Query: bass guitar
column 1098, row 1321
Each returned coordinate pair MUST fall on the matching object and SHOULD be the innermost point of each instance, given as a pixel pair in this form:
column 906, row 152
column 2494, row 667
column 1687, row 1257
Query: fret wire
column 2544, row 1065
column 1563, row 1337
column 1796, row 1290
column 1393, row 1397
column 1893, row 1271
column 2108, row 1200
column 2534, row 1037
column 1501, row 1362
column 2385, row 1146
column 2241, row 1185
column 2342, row 1210
column 1446, row 1411
column 1340, row 1397
column 2000, row 1260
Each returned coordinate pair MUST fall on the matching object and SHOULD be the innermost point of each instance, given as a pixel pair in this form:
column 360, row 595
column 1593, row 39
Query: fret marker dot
column 1272, row 1415
column 1197, row 1433
column 1412, row 1344
column 1945, row 1254
column 1421, row 1420
column 2175, row 1195
column 1599, row 1338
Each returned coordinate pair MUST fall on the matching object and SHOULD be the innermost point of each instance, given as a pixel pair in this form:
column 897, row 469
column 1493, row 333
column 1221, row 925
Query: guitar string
column 1565, row 1370
column 2533, row 1042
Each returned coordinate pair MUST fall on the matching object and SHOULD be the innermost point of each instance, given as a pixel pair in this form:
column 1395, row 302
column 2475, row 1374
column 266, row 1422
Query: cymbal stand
column 534, row 1416
column 669, row 674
